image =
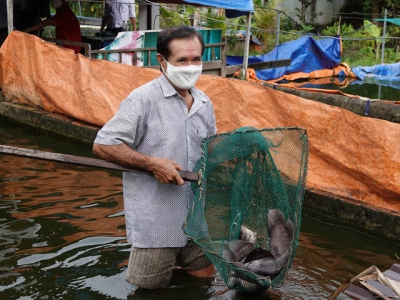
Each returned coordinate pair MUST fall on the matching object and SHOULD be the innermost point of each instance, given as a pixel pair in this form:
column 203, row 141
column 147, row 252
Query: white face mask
column 183, row 77
column 56, row 3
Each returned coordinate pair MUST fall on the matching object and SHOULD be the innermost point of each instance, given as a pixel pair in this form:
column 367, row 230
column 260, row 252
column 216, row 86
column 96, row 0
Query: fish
column 257, row 253
column 247, row 235
column 239, row 249
column 262, row 262
column 236, row 252
column 267, row 266
column 243, row 253
column 240, row 281
column 281, row 234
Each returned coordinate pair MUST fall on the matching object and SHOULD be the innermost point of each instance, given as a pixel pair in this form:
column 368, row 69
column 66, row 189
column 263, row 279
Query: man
column 159, row 127
column 66, row 23
column 116, row 15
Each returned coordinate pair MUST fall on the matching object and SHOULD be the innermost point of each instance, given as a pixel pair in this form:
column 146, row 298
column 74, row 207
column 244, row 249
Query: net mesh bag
column 244, row 174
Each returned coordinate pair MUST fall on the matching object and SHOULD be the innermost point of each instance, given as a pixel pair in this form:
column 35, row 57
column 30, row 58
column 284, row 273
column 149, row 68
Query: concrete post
column 10, row 13
column 149, row 17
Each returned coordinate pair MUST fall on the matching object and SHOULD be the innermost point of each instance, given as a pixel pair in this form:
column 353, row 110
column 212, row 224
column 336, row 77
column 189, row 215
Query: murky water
column 373, row 91
column 62, row 236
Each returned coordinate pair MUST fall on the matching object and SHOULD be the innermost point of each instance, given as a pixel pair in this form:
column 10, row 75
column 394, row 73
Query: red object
column 67, row 26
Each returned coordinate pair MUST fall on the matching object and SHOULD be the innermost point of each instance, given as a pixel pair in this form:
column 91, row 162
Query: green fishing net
column 244, row 174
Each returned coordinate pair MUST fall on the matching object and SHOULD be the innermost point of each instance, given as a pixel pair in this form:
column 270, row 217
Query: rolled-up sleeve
column 124, row 127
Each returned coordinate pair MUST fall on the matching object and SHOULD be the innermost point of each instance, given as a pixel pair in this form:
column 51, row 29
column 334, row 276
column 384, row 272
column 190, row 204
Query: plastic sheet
column 306, row 53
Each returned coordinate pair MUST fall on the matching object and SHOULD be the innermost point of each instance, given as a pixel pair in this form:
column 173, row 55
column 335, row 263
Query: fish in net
column 246, row 214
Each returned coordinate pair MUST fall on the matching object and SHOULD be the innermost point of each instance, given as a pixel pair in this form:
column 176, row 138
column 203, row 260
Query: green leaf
column 372, row 29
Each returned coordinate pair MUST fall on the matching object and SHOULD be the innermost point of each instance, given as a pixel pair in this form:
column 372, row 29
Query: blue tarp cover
column 385, row 74
column 306, row 54
column 242, row 5
column 394, row 21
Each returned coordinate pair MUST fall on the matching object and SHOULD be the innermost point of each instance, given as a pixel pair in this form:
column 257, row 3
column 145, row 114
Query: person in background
column 117, row 14
column 159, row 127
column 3, row 21
column 66, row 24
column 25, row 14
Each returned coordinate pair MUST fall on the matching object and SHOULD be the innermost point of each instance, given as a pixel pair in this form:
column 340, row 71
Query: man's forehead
column 185, row 45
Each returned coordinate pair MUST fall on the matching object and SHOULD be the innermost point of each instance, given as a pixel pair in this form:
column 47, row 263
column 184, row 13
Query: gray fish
column 237, row 250
column 280, row 232
column 267, row 266
column 281, row 236
column 257, row 253
column 238, row 280
column 247, row 235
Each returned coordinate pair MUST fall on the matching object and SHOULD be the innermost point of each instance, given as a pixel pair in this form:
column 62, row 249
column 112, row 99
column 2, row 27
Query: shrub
column 170, row 17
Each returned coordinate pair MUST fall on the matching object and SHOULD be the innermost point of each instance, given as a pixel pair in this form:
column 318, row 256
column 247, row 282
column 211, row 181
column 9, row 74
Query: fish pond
column 368, row 88
column 62, row 236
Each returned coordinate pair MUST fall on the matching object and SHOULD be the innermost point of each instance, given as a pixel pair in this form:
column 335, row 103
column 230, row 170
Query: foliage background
column 360, row 40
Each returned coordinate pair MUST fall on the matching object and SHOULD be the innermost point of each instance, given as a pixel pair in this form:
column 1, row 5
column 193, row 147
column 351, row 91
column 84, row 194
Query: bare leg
column 207, row 272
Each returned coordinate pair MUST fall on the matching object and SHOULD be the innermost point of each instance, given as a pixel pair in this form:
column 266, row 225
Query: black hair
column 177, row 32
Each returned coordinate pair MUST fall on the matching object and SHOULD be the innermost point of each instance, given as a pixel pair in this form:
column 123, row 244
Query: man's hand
column 166, row 170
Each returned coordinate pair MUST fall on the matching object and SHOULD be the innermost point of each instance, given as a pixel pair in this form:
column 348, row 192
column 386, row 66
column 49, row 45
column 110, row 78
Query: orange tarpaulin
column 350, row 155
column 316, row 77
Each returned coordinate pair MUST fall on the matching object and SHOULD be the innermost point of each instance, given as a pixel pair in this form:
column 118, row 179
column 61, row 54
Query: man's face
column 56, row 3
column 183, row 52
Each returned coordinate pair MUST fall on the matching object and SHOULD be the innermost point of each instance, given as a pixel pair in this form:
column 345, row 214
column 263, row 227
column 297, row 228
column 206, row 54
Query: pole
column 246, row 48
column 278, row 28
column 10, row 13
column 379, row 91
column 79, row 7
column 383, row 40
column 85, row 161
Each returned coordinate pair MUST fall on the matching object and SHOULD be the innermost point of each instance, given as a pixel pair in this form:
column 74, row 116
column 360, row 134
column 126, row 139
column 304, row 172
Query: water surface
column 62, row 236
column 351, row 86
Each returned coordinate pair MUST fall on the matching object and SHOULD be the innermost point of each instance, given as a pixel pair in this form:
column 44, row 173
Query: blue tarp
column 379, row 71
column 306, row 54
column 242, row 5
column 233, row 8
column 394, row 21
column 385, row 74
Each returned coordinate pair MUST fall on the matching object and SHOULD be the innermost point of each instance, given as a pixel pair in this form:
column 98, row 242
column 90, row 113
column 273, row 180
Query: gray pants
column 151, row 268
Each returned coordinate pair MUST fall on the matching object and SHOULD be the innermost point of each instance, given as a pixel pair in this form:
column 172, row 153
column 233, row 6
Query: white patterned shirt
column 154, row 119
column 119, row 11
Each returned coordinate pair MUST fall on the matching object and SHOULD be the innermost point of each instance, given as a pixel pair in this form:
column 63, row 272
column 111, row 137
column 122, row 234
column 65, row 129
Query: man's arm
column 40, row 25
column 165, row 170
column 133, row 22
column 103, row 23
column 105, row 17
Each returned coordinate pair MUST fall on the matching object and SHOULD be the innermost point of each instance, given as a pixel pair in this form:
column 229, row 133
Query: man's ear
column 160, row 59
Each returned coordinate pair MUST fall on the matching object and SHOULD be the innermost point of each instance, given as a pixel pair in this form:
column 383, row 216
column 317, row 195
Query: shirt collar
column 169, row 90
